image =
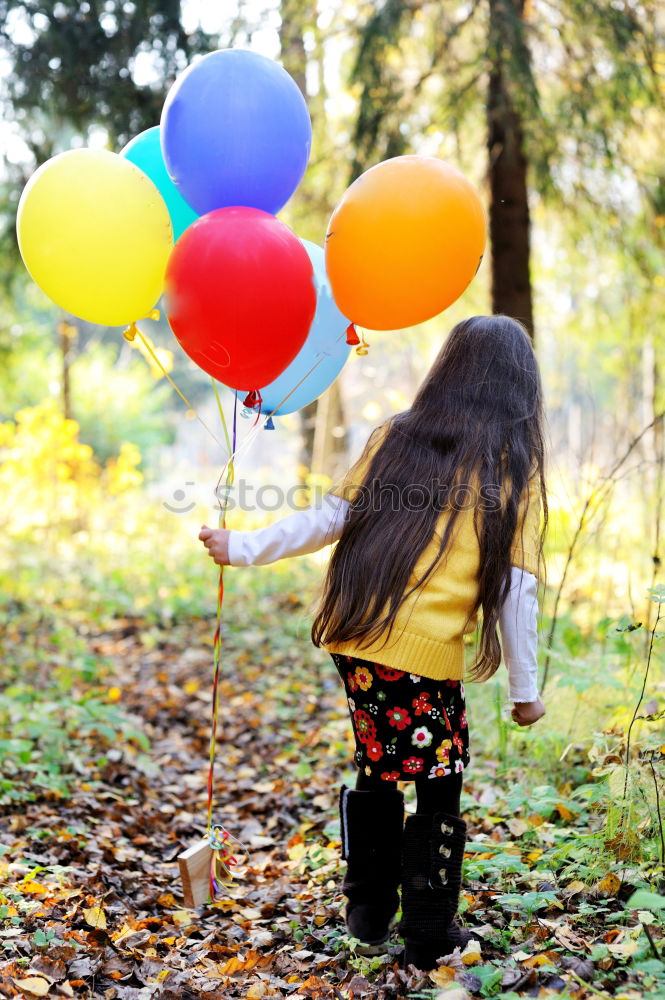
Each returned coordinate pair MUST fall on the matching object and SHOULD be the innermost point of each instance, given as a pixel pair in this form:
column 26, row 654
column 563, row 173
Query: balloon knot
column 351, row 335
column 130, row 333
column 269, row 426
column 253, row 399
column 217, row 837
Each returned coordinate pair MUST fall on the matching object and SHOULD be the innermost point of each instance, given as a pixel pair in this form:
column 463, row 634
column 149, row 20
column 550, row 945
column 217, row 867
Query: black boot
column 433, row 850
column 371, row 828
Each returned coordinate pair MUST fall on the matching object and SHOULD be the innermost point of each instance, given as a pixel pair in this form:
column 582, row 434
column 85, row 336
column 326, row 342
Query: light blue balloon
column 145, row 151
column 322, row 356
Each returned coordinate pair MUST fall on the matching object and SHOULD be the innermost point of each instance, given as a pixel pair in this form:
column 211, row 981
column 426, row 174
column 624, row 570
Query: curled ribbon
column 223, row 857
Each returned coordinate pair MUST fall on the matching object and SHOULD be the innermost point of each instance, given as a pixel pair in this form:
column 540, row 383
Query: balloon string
column 222, row 857
column 229, row 471
column 129, row 334
column 218, row 837
column 254, row 429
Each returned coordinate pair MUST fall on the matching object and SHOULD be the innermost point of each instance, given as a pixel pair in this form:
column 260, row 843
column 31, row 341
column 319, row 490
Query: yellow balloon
column 95, row 235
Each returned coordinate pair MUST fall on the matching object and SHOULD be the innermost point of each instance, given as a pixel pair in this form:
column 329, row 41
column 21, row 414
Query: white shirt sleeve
column 295, row 535
column 518, row 621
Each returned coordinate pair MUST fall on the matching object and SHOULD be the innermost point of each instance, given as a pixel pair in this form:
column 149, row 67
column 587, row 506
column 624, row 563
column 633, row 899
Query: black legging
column 433, row 794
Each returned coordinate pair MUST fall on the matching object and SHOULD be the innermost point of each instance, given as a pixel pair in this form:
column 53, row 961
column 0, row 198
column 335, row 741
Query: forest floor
column 91, row 899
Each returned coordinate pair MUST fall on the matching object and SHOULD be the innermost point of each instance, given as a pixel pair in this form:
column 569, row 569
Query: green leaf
column 642, row 899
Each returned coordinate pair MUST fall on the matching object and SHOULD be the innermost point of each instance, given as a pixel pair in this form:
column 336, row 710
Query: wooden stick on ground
column 194, row 864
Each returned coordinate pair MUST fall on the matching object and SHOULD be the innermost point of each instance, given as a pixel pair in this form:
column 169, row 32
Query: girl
column 439, row 519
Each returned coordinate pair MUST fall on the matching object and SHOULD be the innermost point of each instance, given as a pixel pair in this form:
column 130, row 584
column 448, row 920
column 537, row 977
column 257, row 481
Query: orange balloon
column 404, row 242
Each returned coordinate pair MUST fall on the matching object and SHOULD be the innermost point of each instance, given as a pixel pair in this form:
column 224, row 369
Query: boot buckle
column 444, row 851
column 443, row 875
column 445, row 828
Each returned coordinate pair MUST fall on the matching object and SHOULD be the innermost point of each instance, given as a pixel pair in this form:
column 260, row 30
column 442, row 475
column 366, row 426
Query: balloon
column 240, row 295
column 95, row 235
column 236, row 131
column 404, row 242
column 146, row 152
column 322, row 356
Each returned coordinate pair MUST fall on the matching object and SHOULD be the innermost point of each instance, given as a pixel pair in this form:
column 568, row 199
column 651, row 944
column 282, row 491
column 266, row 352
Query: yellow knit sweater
column 427, row 637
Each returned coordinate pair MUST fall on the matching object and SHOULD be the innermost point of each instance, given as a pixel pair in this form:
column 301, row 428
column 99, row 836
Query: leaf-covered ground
column 91, row 900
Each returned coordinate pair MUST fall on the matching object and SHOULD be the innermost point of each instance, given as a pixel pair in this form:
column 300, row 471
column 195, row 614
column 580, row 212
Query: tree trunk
column 509, row 206
column 318, row 424
column 67, row 333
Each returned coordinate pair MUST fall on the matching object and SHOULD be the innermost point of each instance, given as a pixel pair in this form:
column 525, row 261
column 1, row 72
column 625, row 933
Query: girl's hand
column 216, row 540
column 525, row 713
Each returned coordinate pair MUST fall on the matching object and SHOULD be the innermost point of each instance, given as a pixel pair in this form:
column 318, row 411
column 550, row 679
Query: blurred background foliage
column 555, row 110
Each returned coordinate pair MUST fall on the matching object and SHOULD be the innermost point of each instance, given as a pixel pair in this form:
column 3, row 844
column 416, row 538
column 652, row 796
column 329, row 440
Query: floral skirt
column 404, row 724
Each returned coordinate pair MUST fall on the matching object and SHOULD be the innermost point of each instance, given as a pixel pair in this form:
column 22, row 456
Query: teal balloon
column 322, row 356
column 145, row 151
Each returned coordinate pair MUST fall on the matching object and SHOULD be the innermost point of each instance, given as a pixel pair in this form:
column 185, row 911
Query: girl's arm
column 518, row 621
column 295, row 535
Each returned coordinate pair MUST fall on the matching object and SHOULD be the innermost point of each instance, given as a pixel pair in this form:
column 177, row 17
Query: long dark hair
column 476, row 421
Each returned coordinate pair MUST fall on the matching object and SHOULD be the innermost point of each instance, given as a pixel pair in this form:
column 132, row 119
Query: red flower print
column 363, row 678
column 374, row 751
column 421, row 704
column 390, row 776
column 386, row 674
column 452, row 684
column 447, row 720
column 399, row 718
column 412, row 765
column 458, row 743
column 352, row 682
column 364, row 726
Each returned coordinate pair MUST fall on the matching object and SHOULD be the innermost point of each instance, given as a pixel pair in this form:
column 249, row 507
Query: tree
column 509, row 223
column 78, row 65
column 422, row 64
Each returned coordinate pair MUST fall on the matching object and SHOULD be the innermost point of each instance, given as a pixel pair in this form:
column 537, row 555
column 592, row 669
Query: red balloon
column 240, row 295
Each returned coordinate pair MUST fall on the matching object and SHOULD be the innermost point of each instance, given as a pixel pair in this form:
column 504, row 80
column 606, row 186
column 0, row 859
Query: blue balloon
column 145, row 151
column 322, row 356
column 236, row 131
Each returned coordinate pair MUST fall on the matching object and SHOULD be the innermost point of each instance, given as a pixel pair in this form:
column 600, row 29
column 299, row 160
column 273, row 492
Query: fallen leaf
column 542, row 958
column 95, row 917
column 608, row 886
column 517, row 827
column 444, row 974
column 296, row 852
column 624, row 949
column 29, row 885
column 34, row 985
column 581, row 967
column 471, row 953
column 573, row 888
column 257, row 990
